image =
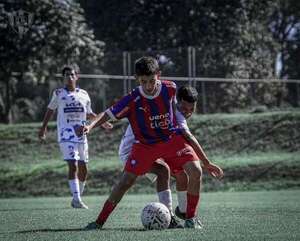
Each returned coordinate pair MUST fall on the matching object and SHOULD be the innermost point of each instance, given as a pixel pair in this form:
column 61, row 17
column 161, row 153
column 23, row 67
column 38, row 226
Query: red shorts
column 175, row 152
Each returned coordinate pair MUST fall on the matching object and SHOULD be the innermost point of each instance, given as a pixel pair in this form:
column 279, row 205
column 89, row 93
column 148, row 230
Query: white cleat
column 78, row 204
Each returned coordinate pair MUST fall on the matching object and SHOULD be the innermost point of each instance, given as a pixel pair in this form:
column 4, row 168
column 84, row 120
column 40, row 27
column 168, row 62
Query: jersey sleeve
column 88, row 106
column 54, row 100
column 121, row 109
column 181, row 121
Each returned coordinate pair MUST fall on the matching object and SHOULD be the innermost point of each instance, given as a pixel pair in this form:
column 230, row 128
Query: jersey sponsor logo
column 73, row 104
column 73, row 109
column 160, row 121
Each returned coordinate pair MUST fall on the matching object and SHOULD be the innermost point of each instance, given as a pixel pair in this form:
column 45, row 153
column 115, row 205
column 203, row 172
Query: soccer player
column 150, row 111
column 187, row 98
column 73, row 107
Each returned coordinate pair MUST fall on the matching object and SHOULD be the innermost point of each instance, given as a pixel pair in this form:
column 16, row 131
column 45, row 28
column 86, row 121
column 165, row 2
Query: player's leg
column 181, row 187
column 139, row 162
column 70, row 153
column 182, row 156
column 162, row 171
column 82, row 165
column 194, row 172
column 125, row 182
column 82, row 175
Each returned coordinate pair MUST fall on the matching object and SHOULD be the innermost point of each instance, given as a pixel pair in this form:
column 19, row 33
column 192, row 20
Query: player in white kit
column 73, row 107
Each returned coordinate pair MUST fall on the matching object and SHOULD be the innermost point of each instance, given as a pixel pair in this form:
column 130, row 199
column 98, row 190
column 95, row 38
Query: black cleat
column 93, row 226
column 179, row 214
column 175, row 223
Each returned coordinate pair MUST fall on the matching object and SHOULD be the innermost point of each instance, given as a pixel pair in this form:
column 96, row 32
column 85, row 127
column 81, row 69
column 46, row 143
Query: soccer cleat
column 193, row 223
column 175, row 223
column 78, row 204
column 179, row 214
column 93, row 226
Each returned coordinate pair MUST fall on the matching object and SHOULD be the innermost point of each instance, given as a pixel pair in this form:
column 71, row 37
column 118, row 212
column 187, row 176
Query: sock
column 81, row 187
column 74, row 187
column 181, row 198
column 165, row 198
column 105, row 212
column 192, row 205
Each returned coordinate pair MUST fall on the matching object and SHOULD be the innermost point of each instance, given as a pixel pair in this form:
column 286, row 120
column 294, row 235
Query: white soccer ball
column 156, row 216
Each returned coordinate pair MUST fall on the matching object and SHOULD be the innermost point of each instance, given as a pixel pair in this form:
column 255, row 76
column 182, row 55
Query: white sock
column 182, row 200
column 81, row 187
column 165, row 197
column 74, row 187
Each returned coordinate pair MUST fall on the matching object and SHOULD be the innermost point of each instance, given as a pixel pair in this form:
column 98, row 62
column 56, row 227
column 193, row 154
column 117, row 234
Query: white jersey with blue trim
column 72, row 109
column 128, row 138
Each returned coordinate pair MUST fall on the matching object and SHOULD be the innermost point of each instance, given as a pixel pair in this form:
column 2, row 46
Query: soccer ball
column 156, row 216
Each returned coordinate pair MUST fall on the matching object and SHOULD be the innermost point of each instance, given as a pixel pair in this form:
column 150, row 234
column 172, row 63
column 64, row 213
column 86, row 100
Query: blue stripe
column 141, row 122
column 155, row 112
column 166, row 99
column 121, row 104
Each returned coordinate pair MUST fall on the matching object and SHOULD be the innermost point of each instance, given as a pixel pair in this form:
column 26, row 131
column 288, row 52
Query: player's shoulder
column 82, row 91
column 169, row 84
column 58, row 91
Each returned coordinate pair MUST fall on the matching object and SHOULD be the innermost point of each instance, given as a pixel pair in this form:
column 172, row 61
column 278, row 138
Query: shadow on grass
column 46, row 230
column 31, row 209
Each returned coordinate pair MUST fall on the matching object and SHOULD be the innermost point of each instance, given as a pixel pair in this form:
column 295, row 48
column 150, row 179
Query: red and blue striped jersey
column 151, row 117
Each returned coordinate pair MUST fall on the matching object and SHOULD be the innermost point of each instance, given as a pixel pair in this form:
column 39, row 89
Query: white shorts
column 74, row 151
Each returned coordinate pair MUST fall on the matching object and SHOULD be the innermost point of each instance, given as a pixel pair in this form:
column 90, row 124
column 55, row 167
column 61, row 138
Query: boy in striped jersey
column 150, row 111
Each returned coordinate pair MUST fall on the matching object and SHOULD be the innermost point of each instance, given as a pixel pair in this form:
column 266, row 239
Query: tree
column 56, row 35
column 231, row 37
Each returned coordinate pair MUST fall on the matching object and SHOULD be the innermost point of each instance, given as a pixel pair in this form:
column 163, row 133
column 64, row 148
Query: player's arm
column 106, row 125
column 43, row 129
column 97, row 121
column 213, row 169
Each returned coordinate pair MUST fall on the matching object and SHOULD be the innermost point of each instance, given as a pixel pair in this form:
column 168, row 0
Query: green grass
column 264, row 215
column 256, row 151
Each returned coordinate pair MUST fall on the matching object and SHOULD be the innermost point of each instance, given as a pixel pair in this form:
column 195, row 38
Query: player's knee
column 195, row 173
column 162, row 171
column 127, row 181
column 73, row 167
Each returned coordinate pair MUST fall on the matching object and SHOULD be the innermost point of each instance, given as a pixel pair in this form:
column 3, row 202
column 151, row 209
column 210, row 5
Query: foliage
column 57, row 35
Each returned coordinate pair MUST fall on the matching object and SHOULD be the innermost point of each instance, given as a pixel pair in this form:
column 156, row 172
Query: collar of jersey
column 151, row 96
column 76, row 89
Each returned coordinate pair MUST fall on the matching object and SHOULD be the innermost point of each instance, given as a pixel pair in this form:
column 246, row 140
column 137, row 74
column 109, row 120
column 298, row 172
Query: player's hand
column 42, row 134
column 86, row 129
column 79, row 130
column 107, row 126
column 214, row 170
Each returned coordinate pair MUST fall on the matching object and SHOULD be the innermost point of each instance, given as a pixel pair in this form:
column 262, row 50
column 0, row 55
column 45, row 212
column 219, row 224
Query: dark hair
column 70, row 68
column 146, row 66
column 187, row 93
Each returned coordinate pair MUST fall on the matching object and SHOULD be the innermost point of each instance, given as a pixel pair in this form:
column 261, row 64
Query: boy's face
column 148, row 83
column 70, row 77
column 186, row 108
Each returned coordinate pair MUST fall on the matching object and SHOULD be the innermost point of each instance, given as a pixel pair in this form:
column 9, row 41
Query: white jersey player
column 73, row 106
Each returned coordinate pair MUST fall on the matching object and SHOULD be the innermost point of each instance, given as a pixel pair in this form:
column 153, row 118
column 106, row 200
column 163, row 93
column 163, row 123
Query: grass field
column 263, row 215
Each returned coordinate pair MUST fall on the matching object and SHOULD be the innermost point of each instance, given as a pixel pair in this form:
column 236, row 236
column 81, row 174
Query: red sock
column 192, row 205
column 105, row 212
